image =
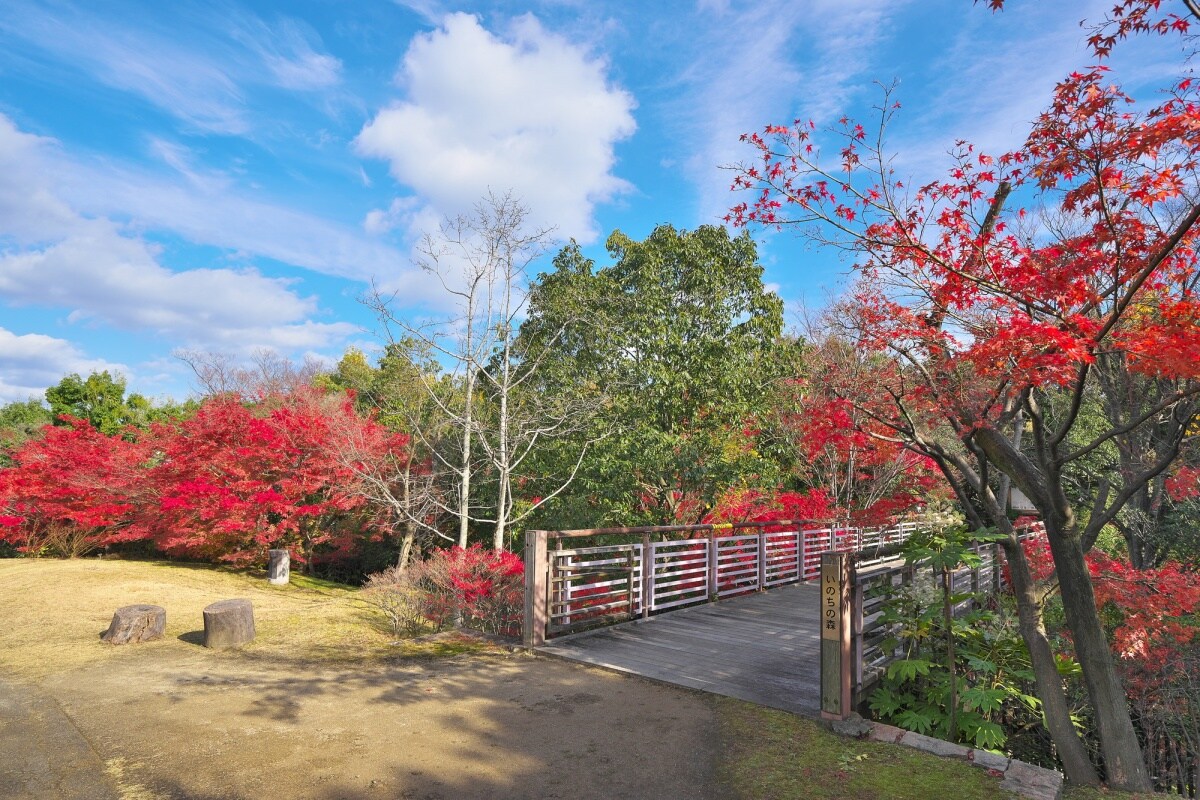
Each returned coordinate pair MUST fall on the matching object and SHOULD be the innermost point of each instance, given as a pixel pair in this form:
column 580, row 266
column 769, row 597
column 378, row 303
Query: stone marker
column 137, row 623
column 278, row 567
column 228, row 623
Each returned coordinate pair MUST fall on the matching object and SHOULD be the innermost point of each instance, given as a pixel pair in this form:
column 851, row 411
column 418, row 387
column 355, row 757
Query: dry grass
column 54, row 612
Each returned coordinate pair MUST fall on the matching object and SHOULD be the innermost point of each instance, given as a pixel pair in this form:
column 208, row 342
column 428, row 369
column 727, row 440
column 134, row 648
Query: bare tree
column 263, row 374
column 482, row 262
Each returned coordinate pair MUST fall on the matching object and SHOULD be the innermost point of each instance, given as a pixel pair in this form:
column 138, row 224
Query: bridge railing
column 586, row 578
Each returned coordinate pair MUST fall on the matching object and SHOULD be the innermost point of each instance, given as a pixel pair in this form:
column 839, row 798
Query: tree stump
column 137, row 623
column 228, row 623
column 278, row 567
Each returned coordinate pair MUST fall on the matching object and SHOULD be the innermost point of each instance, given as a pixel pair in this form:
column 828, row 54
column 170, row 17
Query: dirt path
column 43, row 754
column 191, row 725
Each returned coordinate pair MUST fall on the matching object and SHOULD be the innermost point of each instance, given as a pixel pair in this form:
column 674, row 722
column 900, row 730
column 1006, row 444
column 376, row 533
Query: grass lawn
column 55, row 612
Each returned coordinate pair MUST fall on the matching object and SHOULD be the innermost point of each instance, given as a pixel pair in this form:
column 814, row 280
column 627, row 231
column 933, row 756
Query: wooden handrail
column 580, row 533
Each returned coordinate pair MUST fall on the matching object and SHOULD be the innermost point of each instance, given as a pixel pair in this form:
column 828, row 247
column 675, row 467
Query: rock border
column 1027, row 780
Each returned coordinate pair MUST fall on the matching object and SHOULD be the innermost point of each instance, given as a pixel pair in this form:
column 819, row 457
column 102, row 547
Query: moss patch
column 768, row 755
column 772, row 755
column 1085, row 793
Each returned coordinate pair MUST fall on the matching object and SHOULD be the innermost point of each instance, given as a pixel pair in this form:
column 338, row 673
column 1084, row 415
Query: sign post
column 537, row 568
column 835, row 636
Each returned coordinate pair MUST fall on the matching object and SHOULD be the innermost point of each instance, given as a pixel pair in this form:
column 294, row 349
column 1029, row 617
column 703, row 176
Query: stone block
column 988, row 760
column 937, row 747
column 279, row 566
column 1036, row 783
column 887, row 733
column 853, row 726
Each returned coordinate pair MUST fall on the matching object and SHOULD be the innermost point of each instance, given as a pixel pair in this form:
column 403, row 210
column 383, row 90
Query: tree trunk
column 503, row 465
column 1055, row 710
column 406, row 544
column 464, row 479
column 410, row 526
column 1124, row 764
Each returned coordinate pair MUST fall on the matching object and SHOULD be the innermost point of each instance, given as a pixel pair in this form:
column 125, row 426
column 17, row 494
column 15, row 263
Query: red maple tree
column 236, row 479
column 225, row 484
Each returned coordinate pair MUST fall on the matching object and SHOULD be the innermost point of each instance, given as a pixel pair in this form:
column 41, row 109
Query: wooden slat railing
column 610, row 575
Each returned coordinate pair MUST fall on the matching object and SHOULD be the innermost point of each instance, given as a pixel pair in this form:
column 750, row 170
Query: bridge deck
column 763, row 647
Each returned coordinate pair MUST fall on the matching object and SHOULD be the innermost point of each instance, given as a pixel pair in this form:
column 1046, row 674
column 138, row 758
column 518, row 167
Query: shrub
column 964, row 676
column 395, row 594
column 476, row 587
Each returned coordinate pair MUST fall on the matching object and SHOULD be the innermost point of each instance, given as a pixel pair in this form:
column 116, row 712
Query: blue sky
column 230, row 177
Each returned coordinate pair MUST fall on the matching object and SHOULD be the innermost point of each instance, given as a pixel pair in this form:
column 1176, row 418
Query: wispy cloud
column 288, row 52
column 767, row 62
column 204, row 80
column 46, row 189
column 431, row 11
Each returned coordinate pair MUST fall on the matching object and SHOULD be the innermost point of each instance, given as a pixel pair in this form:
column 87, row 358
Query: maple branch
column 1074, row 408
column 1152, row 265
column 1130, row 426
column 1132, row 487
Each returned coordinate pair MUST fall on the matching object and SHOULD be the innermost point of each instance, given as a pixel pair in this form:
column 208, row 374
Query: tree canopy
column 682, row 340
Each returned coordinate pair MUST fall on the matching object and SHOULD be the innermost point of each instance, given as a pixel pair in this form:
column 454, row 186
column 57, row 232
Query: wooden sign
column 835, row 636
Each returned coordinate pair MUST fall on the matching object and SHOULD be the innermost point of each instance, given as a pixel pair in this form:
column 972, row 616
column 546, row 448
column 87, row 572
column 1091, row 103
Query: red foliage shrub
column 755, row 505
column 226, row 484
column 72, row 490
column 1151, row 613
column 485, row 587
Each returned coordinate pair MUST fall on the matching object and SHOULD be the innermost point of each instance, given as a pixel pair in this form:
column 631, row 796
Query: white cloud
column 31, row 362
column 29, row 210
column 531, row 113
column 398, row 214
column 103, row 274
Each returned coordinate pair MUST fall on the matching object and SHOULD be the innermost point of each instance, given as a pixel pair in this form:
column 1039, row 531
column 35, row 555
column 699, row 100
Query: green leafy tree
column 680, row 342
column 19, row 422
column 100, row 399
column 416, row 486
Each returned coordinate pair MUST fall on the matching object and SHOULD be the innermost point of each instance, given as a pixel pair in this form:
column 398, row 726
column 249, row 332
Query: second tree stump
column 228, row 623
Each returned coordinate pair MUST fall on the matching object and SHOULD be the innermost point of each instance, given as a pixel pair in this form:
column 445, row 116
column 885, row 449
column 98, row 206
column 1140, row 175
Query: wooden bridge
column 763, row 647
column 686, row 604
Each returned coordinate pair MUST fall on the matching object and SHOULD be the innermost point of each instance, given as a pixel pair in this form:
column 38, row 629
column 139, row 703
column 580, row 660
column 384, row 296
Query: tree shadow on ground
column 505, row 726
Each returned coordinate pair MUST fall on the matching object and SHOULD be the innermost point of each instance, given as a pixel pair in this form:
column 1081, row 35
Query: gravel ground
column 197, row 724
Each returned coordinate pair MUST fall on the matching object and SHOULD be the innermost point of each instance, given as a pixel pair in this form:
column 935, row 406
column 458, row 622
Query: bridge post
column 537, row 573
column 836, row 670
column 713, row 589
column 647, row 575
